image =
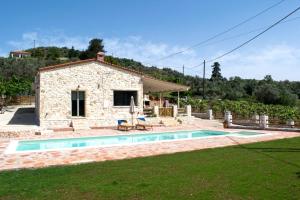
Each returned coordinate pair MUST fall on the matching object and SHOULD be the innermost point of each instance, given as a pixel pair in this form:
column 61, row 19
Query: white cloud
column 150, row 53
column 54, row 38
column 282, row 61
column 133, row 47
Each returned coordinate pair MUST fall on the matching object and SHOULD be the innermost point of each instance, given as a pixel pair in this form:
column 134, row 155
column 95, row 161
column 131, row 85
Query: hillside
column 20, row 72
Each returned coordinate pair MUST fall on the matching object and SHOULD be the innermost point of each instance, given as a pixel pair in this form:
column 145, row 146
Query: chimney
column 100, row 56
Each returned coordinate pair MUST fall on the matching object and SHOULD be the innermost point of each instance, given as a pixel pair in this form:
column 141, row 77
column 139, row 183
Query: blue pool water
column 102, row 141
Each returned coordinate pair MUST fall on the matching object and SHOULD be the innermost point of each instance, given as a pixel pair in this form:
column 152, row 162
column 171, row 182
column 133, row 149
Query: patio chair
column 123, row 125
column 142, row 124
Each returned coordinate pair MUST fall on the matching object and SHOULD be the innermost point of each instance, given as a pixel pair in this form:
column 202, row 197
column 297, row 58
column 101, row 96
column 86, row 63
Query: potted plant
column 225, row 124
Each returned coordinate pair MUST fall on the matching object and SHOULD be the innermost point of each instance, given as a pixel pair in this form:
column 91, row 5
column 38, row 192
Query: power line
column 223, row 32
column 247, row 33
column 241, row 34
column 215, row 36
column 233, row 37
column 219, row 34
column 256, row 36
column 229, row 38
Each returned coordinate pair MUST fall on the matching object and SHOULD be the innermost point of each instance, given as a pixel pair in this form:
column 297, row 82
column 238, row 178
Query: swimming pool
column 106, row 141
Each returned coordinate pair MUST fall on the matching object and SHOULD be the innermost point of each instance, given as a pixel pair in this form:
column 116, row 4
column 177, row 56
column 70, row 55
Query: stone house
column 19, row 54
column 91, row 93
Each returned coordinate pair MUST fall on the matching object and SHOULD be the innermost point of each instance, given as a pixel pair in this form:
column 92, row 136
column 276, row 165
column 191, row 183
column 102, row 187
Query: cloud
column 149, row 53
column 52, row 38
column 133, row 47
column 282, row 61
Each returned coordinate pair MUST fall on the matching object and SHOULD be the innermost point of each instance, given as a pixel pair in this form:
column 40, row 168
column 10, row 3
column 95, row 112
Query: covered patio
column 155, row 86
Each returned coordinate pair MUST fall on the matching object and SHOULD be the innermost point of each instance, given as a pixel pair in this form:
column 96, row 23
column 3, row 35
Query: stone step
column 187, row 120
column 170, row 122
column 80, row 124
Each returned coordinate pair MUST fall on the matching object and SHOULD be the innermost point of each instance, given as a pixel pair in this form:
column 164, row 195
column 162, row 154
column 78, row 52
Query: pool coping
column 12, row 146
column 43, row 159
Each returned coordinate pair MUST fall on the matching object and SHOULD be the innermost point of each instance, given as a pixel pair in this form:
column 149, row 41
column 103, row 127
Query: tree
column 53, row 54
column 250, row 86
column 266, row 90
column 216, row 72
column 234, row 88
column 95, row 46
column 267, row 94
column 2, row 86
column 38, row 52
column 73, row 53
column 287, row 98
column 268, row 79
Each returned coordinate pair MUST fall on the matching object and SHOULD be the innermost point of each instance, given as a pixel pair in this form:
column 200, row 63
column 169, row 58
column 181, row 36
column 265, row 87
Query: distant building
column 19, row 54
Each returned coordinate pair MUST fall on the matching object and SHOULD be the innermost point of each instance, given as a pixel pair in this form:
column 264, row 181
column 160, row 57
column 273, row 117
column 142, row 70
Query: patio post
column 264, row 121
column 228, row 118
column 175, row 111
column 178, row 103
column 156, row 111
column 210, row 114
column 160, row 100
column 189, row 110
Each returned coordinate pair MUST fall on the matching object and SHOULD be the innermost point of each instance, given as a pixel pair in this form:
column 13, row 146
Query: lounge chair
column 123, row 125
column 142, row 124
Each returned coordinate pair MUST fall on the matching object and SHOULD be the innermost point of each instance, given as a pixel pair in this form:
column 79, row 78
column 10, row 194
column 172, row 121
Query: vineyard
column 278, row 114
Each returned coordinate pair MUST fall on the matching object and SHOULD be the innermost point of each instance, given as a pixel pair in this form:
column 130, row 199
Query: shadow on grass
column 266, row 152
column 298, row 174
column 276, row 149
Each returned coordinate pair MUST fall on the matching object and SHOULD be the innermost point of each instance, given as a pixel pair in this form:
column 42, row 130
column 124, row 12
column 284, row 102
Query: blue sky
column 148, row 30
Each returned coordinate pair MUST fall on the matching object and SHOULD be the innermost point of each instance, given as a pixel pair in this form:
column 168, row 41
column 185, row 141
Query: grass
column 269, row 170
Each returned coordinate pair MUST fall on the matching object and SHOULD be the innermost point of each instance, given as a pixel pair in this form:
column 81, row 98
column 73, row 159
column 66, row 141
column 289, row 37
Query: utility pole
column 183, row 69
column 33, row 44
column 112, row 55
column 203, row 81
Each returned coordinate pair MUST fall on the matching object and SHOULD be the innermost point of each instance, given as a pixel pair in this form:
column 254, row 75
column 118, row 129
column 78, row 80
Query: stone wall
column 98, row 81
column 37, row 98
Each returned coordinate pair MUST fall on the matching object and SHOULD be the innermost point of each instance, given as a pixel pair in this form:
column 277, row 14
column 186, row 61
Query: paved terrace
column 76, row 156
column 18, row 119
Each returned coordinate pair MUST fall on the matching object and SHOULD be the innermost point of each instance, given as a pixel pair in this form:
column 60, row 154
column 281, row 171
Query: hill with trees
column 17, row 76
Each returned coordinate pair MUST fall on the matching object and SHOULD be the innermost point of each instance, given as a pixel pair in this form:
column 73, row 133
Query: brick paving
column 93, row 154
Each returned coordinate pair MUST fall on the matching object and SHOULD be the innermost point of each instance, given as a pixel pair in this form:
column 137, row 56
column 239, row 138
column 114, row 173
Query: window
column 122, row 98
column 78, row 103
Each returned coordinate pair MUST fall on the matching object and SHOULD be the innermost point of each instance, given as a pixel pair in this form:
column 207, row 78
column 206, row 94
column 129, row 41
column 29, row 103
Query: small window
column 122, row 98
column 78, row 103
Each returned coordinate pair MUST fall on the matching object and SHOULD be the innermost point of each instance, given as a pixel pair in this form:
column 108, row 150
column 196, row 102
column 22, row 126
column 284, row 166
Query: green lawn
column 269, row 170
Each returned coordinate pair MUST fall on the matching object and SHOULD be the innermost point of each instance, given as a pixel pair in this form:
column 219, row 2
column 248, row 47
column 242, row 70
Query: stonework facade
column 98, row 81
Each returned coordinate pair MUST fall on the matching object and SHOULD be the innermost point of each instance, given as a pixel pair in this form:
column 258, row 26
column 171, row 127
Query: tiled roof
column 20, row 52
column 63, row 65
